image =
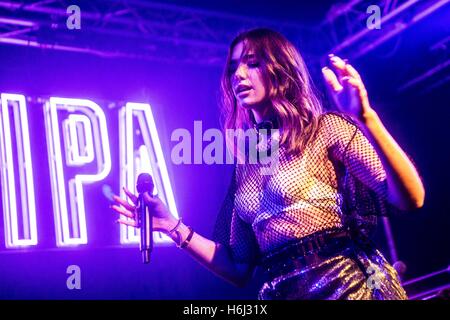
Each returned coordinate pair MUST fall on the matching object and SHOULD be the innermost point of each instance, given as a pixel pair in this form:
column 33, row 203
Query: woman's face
column 246, row 78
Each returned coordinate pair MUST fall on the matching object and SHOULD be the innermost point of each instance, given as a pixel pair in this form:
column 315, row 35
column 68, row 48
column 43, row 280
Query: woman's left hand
column 347, row 88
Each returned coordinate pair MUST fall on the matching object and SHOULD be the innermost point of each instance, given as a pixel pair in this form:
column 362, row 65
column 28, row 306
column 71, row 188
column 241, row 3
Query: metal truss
column 434, row 285
column 131, row 29
column 349, row 36
column 436, row 72
column 138, row 29
column 347, row 23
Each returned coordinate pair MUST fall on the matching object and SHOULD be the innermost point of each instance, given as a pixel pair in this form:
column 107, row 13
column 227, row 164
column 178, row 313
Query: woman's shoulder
column 337, row 128
column 334, row 122
column 336, row 117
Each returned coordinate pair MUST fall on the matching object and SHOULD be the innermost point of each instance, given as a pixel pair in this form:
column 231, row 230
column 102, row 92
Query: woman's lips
column 244, row 92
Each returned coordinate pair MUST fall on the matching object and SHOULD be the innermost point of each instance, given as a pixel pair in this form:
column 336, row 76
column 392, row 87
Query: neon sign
column 11, row 219
column 77, row 132
column 146, row 158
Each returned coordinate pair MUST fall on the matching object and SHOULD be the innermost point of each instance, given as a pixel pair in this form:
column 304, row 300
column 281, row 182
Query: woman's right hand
column 162, row 219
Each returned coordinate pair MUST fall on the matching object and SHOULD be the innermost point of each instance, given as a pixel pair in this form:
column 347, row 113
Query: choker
column 266, row 124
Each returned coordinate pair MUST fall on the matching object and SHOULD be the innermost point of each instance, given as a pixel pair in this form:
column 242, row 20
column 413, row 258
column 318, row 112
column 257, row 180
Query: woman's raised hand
column 347, row 88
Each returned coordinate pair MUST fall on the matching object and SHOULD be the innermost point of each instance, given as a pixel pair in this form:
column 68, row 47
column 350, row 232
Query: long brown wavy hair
column 290, row 89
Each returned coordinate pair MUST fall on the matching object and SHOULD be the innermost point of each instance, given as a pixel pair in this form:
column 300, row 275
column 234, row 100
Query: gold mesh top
column 303, row 195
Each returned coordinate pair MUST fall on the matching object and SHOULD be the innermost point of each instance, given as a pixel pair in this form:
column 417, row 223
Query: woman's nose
column 241, row 72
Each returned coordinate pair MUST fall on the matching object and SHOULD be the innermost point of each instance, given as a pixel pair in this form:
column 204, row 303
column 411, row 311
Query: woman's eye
column 253, row 64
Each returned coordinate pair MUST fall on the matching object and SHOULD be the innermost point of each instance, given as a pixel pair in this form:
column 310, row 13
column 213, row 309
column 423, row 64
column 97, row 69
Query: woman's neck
column 263, row 113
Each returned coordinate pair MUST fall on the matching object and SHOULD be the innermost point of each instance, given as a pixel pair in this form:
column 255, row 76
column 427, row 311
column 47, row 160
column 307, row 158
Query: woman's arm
column 405, row 188
column 213, row 255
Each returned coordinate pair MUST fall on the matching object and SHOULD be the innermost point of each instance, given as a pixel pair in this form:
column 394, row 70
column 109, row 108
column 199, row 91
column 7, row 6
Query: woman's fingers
column 357, row 85
column 131, row 196
column 126, row 209
column 343, row 68
column 331, row 79
column 339, row 66
column 352, row 72
column 124, row 203
column 123, row 211
column 130, row 223
column 344, row 73
column 350, row 82
column 150, row 199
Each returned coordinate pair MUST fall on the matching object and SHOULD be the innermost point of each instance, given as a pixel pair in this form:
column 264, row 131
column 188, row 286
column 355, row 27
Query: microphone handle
column 145, row 221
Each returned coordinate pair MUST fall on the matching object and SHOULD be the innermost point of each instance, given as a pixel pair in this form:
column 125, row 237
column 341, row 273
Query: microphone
column 145, row 184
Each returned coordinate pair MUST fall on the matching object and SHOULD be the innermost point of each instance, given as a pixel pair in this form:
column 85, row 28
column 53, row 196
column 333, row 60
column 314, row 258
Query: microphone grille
column 145, row 183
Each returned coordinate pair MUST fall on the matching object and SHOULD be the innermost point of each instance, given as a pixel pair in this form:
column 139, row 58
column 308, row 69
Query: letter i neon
column 28, row 236
column 135, row 159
